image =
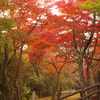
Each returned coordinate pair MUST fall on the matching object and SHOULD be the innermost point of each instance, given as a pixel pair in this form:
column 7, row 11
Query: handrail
column 68, row 95
column 83, row 91
column 91, row 94
column 90, row 87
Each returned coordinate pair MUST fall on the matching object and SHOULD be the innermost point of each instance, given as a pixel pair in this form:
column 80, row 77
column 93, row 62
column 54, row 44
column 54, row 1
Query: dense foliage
column 45, row 51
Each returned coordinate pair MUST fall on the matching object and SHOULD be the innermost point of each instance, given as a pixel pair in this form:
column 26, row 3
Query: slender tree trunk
column 56, row 91
column 88, row 76
column 17, row 89
column 58, row 86
column 80, row 63
column 4, row 80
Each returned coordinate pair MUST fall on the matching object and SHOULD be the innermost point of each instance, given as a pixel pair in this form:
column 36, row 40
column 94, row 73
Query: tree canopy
column 47, row 51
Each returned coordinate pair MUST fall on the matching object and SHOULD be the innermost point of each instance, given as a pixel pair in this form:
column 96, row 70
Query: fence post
column 99, row 85
column 33, row 95
column 82, row 93
column 58, row 95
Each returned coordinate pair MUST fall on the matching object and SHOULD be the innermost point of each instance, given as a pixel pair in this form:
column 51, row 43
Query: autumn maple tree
column 74, row 34
column 34, row 38
column 82, row 25
column 15, row 29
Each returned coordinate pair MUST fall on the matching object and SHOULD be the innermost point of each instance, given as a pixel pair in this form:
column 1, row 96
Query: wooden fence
column 86, row 93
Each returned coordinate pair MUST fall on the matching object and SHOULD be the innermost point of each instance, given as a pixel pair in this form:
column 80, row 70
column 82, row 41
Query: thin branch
column 97, row 59
column 92, row 34
column 74, row 42
column 63, row 65
column 31, row 29
column 94, row 50
column 53, row 64
column 74, row 58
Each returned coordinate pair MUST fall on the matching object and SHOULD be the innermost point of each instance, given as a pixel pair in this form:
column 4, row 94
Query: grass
column 71, row 97
column 46, row 98
column 63, row 93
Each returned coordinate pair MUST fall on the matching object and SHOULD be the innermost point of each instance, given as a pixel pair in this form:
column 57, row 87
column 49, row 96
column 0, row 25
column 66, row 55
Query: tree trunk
column 54, row 93
column 17, row 96
column 4, row 80
column 80, row 63
column 88, row 77
column 7, row 94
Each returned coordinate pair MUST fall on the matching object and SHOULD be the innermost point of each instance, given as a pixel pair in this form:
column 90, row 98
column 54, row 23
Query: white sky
column 55, row 11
